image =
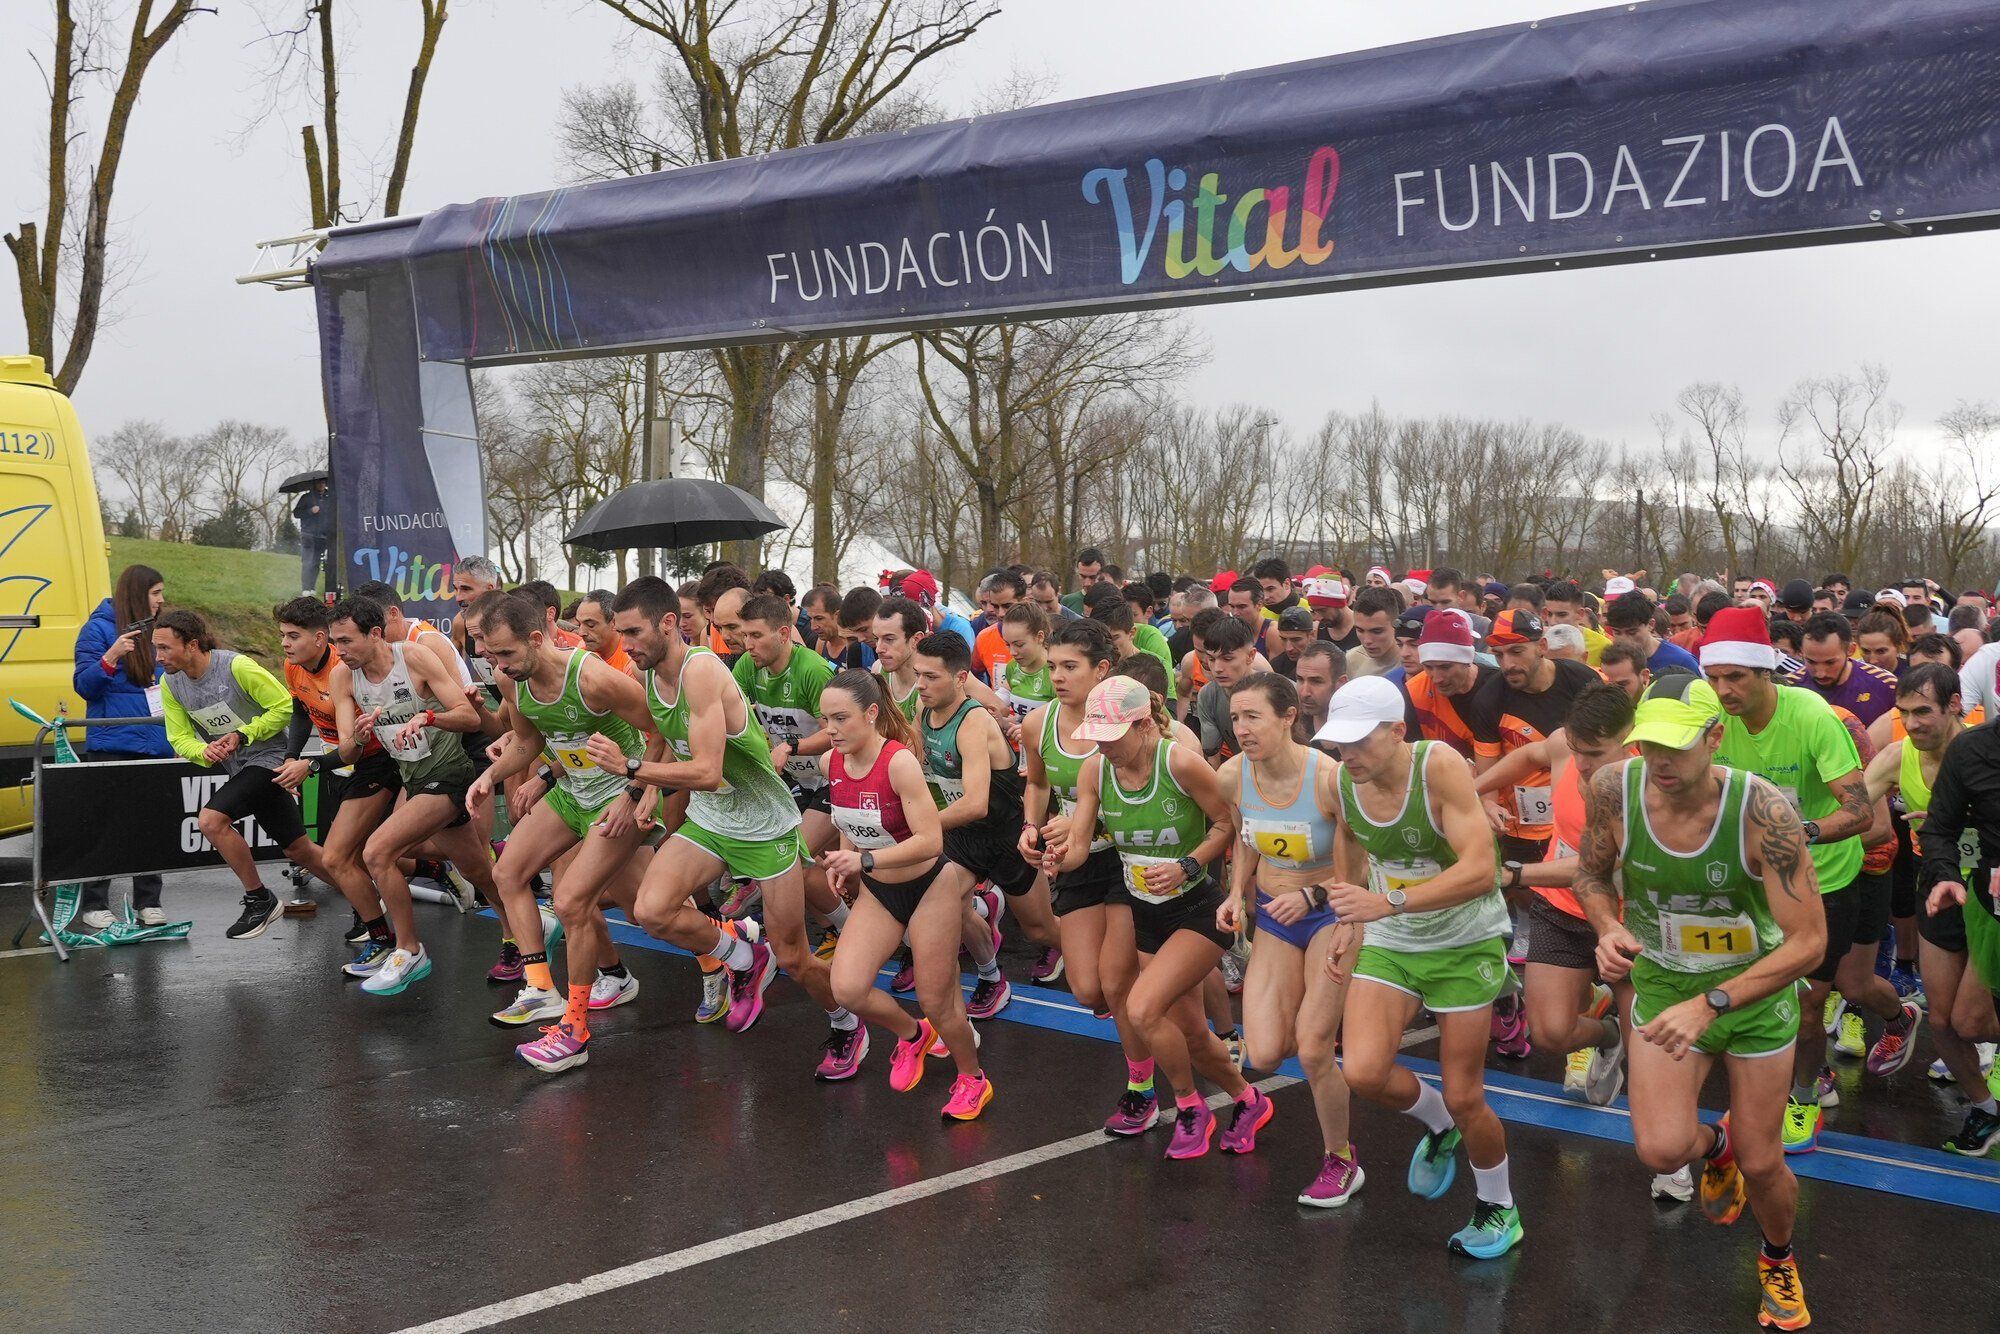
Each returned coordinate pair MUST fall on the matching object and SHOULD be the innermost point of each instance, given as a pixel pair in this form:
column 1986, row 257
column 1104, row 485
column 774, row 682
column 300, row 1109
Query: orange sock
column 577, row 1016
column 538, row 974
column 709, row 963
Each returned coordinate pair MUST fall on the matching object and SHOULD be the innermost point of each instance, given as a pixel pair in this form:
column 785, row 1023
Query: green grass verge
column 235, row 590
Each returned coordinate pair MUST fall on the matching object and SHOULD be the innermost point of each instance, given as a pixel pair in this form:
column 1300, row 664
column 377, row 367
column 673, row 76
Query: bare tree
column 62, row 260
column 1838, row 428
column 1965, row 503
column 243, row 463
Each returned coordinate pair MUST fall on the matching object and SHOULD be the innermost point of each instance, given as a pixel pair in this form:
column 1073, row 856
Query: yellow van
column 53, row 564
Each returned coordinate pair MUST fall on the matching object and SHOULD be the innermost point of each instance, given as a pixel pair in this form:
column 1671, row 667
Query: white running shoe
column 531, row 1006
column 607, row 991
column 461, row 888
column 398, row 972
column 1674, row 1186
column 1576, row 1072
column 1985, row 1050
column 1607, row 1073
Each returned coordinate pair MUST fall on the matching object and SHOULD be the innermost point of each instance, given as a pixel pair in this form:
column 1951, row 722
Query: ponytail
column 866, row 688
column 1147, row 671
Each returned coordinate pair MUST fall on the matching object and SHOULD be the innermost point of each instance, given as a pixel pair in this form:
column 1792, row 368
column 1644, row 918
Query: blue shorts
column 1300, row 933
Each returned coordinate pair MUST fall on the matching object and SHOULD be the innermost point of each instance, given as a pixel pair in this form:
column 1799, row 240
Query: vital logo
column 1213, row 216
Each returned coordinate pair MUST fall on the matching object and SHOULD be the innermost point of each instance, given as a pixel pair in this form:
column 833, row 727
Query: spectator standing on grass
column 118, row 677
column 314, row 512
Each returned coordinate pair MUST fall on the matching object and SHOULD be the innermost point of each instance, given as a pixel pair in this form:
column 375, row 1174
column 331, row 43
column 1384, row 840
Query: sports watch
column 867, row 861
column 1718, row 1000
column 1189, row 868
column 1513, row 870
column 632, row 766
column 1397, row 900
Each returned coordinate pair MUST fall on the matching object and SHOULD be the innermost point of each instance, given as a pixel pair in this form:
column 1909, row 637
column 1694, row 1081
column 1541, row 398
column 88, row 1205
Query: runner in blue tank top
column 1288, row 811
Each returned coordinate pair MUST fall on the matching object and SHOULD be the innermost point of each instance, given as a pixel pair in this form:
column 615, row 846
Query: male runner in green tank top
column 1417, row 864
column 555, row 702
column 1721, row 919
column 1961, row 1008
column 729, row 812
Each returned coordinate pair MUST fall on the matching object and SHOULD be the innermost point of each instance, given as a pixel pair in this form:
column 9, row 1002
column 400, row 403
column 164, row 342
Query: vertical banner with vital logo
column 405, row 454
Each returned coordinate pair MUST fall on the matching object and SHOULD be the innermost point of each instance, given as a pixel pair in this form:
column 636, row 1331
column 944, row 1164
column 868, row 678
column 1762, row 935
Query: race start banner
column 1634, row 134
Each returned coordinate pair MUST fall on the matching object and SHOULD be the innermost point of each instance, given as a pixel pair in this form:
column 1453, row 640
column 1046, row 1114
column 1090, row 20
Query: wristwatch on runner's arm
column 1811, row 828
column 1718, row 1000
column 1190, row 868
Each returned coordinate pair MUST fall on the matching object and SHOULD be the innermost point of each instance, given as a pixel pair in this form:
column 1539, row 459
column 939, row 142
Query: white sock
column 732, row 953
column 837, row 918
column 990, row 970
column 1492, row 1183
column 843, row 1020
column 1429, row 1108
column 1991, row 1106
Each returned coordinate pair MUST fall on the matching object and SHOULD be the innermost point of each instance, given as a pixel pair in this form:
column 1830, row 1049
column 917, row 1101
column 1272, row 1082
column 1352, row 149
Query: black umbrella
column 302, row 481
column 674, row 512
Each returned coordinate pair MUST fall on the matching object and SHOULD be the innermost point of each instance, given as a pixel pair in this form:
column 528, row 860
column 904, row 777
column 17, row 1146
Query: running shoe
column 905, row 980
column 1835, row 1007
column 540, row 885
column 969, row 1096
column 996, row 904
column 531, row 1006
column 1517, row 943
column 714, row 996
column 828, row 942
column 398, row 973
column 742, row 899
column 1339, row 1178
column 747, row 988
column 1802, row 1121
column 943, row 1052
column 906, row 1066
column 1723, row 1193
column 357, row 930
column 1434, row 1165
column 1510, row 1028
column 1976, row 1136
column 1606, row 1074
column 1495, row 1229
column 845, row 1048
column 1676, row 1186
column 1576, row 1070
column 1943, row 1075
column 1137, row 1112
column 556, row 1050
column 1247, row 1116
column 1235, row 962
column 1048, row 967
column 1784, row 1302
column 988, row 998
column 1898, row 1043
column 461, row 889
column 1194, row 1127
column 508, row 967
column 608, row 992
column 1909, row 986
column 552, row 927
column 1600, row 1001
column 260, row 909
column 1827, row 1088
column 374, row 953
column 1853, row 1039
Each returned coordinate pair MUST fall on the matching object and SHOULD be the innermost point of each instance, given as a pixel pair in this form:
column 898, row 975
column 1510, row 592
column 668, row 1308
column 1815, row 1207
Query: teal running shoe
column 1434, row 1165
column 1495, row 1229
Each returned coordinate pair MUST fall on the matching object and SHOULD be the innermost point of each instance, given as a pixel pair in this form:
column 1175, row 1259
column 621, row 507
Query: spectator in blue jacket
column 118, row 678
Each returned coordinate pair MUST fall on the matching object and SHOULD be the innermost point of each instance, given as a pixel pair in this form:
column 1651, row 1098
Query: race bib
column 804, row 769
column 216, row 720
column 862, row 828
column 409, row 753
column 1534, row 805
column 572, row 759
column 155, row 704
column 949, row 789
column 1281, row 842
column 1968, row 849
column 1135, row 865
column 1705, row 942
column 1403, row 875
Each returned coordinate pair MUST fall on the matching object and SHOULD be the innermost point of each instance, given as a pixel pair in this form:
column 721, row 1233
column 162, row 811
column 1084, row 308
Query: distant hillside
column 235, row 590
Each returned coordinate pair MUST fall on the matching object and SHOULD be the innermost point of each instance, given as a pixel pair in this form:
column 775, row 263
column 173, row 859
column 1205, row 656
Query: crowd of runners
column 1651, row 829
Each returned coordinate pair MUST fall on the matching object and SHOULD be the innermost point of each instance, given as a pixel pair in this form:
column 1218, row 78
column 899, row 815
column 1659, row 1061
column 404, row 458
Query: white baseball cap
column 1617, row 586
column 1358, row 708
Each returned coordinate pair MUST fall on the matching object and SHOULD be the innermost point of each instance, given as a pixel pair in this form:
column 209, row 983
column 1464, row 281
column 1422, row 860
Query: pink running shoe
column 747, row 988
column 1049, row 967
column 1898, row 1043
column 743, row 896
column 845, row 1048
column 1339, row 1177
column 1510, row 1028
column 988, row 999
column 556, row 1050
column 995, row 905
column 1136, row 1113
column 969, row 1096
column 1194, row 1127
column 905, row 980
column 1247, row 1115
column 906, row 1067
column 508, row 967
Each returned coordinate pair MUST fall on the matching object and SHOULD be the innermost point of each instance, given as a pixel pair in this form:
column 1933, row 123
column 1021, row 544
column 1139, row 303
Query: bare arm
column 1471, row 838
column 1856, row 814
column 1883, row 771
column 1531, row 759
column 708, row 731
column 1603, row 839
column 975, row 737
column 926, row 838
column 1779, row 854
column 1191, row 771
column 1083, row 819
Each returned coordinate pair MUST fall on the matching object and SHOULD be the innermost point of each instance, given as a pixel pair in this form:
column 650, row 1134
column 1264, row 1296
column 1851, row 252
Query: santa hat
column 1382, row 570
column 1447, row 637
column 1419, row 580
column 1738, row 637
column 1222, row 582
column 920, row 586
column 1326, row 593
column 1770, row 590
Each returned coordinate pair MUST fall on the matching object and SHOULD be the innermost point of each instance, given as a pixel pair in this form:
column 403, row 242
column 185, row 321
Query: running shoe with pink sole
column 1898, row 1043
column 508, row 967
column 1049, row 967
column 906, row 1066
column 845, row 1049
column 747, row 988
column 988, row 998
column 1136, row 1113
column 1194, row 1127
column 1247, row 1115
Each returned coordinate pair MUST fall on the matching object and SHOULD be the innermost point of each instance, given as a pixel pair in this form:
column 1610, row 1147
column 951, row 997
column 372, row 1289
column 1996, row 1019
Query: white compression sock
column 1492, row 1184
column 1429, row 1108
column 733, row 953
column 837, row 918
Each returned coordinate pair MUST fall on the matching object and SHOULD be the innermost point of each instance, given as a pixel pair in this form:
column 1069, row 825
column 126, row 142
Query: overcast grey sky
column 1602, row 350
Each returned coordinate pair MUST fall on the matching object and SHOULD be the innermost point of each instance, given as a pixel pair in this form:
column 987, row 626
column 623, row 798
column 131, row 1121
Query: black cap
column 1410, row 625
column 1297, row 619
column 1858, row 602
column 1796, row 596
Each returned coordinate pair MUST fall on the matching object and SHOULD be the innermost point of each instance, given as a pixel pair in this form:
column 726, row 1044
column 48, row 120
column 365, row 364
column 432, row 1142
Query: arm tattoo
column 1603, row 814
column 1780, row 842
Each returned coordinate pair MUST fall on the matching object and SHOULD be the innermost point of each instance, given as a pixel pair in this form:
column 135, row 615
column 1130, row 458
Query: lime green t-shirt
column 1148, row 639
column 1802, row 749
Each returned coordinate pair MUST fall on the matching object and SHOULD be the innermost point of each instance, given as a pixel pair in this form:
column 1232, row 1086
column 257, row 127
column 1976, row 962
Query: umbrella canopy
column 674, row 512
column 301, row 481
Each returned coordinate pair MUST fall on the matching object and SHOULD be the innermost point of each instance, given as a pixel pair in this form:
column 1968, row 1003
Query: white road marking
column 533, row 1303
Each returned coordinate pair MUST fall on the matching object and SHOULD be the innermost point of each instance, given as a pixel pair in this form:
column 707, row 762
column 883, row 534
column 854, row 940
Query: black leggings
column 95, row 895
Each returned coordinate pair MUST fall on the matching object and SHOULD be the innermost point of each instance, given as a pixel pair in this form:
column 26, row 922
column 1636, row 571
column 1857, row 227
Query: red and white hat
column 1770, row 589
column 1447, row 637
column 1418, row 579
column 1326, row 592
column 1382, row 570
column 1739, row 637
